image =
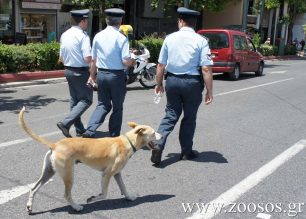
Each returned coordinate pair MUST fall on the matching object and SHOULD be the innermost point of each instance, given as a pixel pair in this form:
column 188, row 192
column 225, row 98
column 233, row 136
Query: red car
column 233, row 52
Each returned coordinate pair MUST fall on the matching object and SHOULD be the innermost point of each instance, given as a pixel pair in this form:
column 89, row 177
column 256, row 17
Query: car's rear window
column 217, row 40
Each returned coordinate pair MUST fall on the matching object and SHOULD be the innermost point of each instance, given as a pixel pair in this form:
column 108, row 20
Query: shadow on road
column 205, row 157
column 110, row 204
column 33, row 102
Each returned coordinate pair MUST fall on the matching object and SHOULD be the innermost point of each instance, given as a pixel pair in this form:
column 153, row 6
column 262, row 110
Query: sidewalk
column 31, row 78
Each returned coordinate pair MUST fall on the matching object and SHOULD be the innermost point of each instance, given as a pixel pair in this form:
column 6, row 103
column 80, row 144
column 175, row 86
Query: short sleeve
column 125, row 52
column 86, row 46
column 206, row 58
column 163, row 55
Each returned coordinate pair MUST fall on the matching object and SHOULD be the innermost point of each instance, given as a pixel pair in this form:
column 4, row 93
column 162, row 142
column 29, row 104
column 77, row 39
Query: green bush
column 256, row 40
column 267, row 50
column 153, row 44
column 290, row 50
column 30, row 57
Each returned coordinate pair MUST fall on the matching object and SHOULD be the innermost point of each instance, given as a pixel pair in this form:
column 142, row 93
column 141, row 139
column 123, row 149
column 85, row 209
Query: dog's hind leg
column 47, row 173
column 122, row 187
column 65, row 170
column 104, row 184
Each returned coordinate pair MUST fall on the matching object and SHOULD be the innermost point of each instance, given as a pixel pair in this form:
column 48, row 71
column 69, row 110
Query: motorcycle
column 143, row 71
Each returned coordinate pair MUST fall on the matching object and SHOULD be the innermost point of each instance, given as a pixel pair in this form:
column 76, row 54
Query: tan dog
column 109, row 155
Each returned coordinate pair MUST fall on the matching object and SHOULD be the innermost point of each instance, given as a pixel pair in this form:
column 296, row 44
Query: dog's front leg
column 122, row 187
column 104, row 184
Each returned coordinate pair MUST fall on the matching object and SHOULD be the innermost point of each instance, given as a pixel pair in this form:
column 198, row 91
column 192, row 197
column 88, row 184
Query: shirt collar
column 187, row 29
column 112, row 27
column 77, row 27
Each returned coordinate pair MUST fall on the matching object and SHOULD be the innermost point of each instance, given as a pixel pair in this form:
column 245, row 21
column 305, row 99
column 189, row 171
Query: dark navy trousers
column 111, row 94
column 184, row 94
column 80, row 98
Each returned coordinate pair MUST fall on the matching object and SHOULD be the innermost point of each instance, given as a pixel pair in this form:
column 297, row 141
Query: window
column 6, row 20
column 38, row 27
column 217, row 40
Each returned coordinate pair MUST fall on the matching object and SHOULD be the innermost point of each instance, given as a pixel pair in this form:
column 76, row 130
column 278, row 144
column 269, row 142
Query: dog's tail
column 31, row 133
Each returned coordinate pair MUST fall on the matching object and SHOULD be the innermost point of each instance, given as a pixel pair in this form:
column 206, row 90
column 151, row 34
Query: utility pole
column 245, row 14
column 282, row 43
column 186, row 3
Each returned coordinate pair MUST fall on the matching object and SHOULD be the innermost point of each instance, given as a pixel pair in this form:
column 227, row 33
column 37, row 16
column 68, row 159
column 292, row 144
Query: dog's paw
column 29, row 209
column 91, row 199
column 131, row 197
column 77, row 207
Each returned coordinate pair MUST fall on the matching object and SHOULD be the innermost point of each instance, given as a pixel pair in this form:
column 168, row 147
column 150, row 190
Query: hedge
column 153, row 44
column 30, row 57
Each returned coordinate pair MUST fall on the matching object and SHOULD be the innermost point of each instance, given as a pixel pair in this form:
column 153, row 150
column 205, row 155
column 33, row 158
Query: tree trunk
column 290, row 28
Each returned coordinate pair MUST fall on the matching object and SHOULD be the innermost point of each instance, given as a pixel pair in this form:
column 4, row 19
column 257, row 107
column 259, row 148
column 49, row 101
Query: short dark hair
column 76, row 20
column 191, row 21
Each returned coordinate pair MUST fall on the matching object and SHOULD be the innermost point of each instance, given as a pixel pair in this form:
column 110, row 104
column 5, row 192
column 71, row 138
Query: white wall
column 297, row 31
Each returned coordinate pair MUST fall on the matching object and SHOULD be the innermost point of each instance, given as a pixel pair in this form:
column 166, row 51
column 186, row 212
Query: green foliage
column 267, row 50
column 211, row 5
column 290, row 50
column 153, row 44
column 269, row 4
column 30, row 57
column 256, row 39
column 285, row 20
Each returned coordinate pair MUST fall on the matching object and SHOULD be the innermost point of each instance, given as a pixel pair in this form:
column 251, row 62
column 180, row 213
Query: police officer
column 110, row 54
column 182, row 54
column 75, row 54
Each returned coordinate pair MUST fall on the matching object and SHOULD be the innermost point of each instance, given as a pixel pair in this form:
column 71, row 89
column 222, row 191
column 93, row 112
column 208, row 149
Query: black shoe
column 86, row 135
column 64, row 130
column 80, row 134
column 156, row 156
column 192, row 155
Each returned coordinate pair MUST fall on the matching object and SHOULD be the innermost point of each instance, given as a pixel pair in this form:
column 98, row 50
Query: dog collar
column 133, row 147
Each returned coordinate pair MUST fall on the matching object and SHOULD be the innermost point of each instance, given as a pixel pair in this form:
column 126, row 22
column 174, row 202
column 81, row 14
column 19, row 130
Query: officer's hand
column 159, row 89
column 208, row 98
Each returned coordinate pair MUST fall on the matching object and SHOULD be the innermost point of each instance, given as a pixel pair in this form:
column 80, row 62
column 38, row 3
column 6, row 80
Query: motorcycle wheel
column 148, row 78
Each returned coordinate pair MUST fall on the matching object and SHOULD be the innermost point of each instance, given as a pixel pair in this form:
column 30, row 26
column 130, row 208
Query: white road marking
column 252, row 87
column 10, row 194
column 263, row 216
column 234, row 193
column 9, row 143
column 277, row 72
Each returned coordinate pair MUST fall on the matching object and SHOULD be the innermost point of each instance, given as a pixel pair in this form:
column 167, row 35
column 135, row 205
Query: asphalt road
column 251, row 144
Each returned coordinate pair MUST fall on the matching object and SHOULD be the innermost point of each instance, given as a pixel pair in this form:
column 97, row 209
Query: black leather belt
column 85, row 68
column 182, row 75
column 110, row 70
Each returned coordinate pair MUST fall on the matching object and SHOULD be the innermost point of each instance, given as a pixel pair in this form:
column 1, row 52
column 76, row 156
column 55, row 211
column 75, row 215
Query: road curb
column 33, row 82
column 26, row 76
column 31, row 78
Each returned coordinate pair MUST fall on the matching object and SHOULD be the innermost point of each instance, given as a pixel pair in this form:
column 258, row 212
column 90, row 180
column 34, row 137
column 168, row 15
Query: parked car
column 233, row 52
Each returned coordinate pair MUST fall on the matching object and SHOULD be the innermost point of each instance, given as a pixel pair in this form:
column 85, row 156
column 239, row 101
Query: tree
column 97, row 6
column 295, row 8
column 211, row 5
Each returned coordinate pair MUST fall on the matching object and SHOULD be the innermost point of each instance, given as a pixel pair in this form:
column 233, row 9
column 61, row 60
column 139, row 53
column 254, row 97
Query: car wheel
column 259, row 72
column 234, row 75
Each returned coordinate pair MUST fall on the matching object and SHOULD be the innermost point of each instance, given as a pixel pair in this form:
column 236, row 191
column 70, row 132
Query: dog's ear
column 132, row 124
column 139, row 130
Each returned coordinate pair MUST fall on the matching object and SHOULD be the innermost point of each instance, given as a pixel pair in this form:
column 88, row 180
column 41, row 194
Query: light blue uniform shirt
column 184, row 51
column 110, row 48
column 75, row 46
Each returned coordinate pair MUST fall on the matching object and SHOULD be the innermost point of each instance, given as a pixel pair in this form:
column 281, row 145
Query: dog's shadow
column 205, row 157
column 110, row 204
